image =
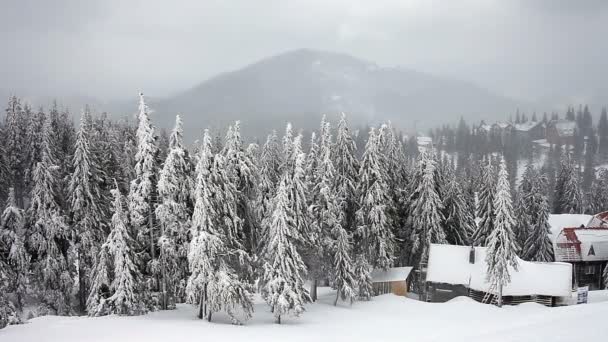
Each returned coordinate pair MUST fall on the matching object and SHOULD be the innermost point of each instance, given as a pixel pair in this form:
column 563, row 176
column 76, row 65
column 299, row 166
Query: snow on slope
column 386, row 318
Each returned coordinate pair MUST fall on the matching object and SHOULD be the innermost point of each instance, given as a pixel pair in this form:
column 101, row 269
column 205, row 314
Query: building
column 394, row 280
column 530, row 130
column 561, row 132
column 461, row 270
column 586, row 248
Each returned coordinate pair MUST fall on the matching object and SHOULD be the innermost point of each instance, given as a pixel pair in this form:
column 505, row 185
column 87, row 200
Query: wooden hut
column 455, row 270
column 394, row 280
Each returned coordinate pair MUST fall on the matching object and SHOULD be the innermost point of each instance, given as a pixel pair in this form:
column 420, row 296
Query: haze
column 545, row 50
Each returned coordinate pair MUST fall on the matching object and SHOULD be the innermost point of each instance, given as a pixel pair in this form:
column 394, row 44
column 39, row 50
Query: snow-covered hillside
column 385, row 318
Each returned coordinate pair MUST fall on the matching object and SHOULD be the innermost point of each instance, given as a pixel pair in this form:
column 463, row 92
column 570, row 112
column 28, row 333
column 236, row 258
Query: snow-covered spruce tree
column 33, row 134
column 347, row 168
column 217, row 258
column 99, row 290
column 12, row 249
column 206, row 242
column 427, row 217
column 459, row 220
column 568, row 198
column 87, row 210
column 344, row 276
column 174, row 217
column 538, row 245
column 374, row 235
column 287, row 152
column 242, row 170
column 128, row 290
column 269, row 171
column 523, row 219
column 8, row 312
column 48, row 238
column 501, row 252
column 363, row 278
column 599, row 195
column 15, row 146
column 141, row 192
column 485, row 211
column 283, row 286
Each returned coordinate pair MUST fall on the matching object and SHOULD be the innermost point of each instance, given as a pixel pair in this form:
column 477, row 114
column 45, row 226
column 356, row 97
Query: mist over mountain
column 301, row 85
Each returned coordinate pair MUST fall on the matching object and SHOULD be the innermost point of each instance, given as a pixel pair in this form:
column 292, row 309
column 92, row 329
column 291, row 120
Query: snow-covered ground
column 385, row 318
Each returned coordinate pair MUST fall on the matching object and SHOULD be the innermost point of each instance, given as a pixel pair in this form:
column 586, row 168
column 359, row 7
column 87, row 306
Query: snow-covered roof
column 485, row 127
column 502, row 125
column 392, row 274
column 599, row 220
column 565, row 128
column 560, row 221
column 526, row 126
column 582, row 244
column 450, row 264
column 424, row 141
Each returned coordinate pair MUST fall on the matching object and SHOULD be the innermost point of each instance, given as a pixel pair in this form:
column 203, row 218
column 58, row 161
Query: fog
column 109, row 49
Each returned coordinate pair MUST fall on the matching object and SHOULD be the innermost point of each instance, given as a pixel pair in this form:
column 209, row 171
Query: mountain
column 301, row 85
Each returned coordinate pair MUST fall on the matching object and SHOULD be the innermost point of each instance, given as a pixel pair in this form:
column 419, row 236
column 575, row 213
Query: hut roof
column 450, row 264
column 392, row 274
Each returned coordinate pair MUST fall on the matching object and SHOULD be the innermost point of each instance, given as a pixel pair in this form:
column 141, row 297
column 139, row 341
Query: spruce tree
column 538, row 245
column 283, row 287
column 374, row 235
column 347, row 168
column 87, row 210
column 12, row 250
column 427, row 218
column 99, row 291
column 15, row 145
column 568, row 197
column 141, row 193
column 128, row 292
column 173, row 215
column 486, row 210
column 501, row 251
column 48, row 238
column 599, row 196
column 459, row 222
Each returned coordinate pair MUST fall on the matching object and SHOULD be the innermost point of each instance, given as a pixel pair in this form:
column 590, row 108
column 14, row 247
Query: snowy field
column 385, row 318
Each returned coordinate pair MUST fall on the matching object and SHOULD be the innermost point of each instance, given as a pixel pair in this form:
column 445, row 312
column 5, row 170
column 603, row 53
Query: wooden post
column 500, row 295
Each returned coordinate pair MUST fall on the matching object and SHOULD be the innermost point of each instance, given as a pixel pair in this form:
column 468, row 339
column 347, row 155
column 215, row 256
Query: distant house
column 561, row 132
column 586, row 248
column 461, row 270
column 394, row 280
column 530, row 130
column 501, row 131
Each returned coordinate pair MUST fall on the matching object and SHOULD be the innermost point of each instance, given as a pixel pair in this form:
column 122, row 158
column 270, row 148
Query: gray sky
column 111, row 48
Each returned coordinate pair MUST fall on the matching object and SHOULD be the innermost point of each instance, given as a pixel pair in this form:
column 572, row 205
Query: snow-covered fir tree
column 427, row 218
column 12, row 250
column 87, row 211
column 459, row 224
column 48, row 236
column 99, row 290
column 374, row 235
column 217, row 243
column 141, row 193
column 501, row 252
column 174, row 217
column 269, row 171
column 568, row 198
column 344, row 279
column 283, row 286
column 128, row 293
column 598, row 201
column 347, row 168
column 538, row 245
column 485, row 211
column 15, row 146
column 523, row 219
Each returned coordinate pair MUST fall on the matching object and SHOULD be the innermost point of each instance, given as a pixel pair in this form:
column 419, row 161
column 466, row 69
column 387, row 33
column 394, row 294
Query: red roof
column 572, row 240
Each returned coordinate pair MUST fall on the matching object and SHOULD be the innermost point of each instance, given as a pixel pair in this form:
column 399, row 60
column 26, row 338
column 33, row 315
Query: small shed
column 395, row 280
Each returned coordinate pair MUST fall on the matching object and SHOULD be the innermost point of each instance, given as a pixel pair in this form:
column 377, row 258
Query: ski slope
column 385, row 318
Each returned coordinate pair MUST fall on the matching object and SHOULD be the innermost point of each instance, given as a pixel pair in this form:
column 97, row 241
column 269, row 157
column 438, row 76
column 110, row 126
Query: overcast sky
column 112, row 48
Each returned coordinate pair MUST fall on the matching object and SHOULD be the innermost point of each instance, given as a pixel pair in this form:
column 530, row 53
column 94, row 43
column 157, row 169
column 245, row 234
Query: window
column 589, row 269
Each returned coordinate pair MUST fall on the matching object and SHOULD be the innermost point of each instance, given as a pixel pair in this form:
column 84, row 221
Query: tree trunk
column 499, row 296
column 337, row 296
column 209, row 316
column 151, row 229
column 200, row 307
column 205, row 300
column 313, row 290
column 163, row 270
column 82, row 288
column 278, row 320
